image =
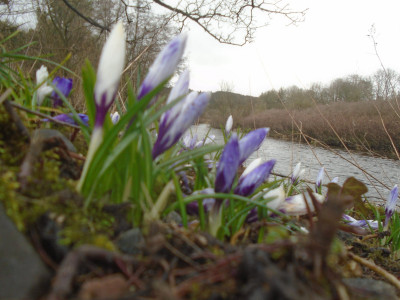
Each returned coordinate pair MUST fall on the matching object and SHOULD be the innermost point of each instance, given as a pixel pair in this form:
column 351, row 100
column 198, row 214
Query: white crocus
column 42, row 76
column 228, row 125
column 109, row 73
column 115, row 117
column 110, row 67
column 275, row 197
column 296, row 206
column 297, row 173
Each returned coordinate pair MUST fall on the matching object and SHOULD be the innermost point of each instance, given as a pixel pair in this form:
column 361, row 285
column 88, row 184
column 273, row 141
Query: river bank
column 372, row 127
column 377, row 173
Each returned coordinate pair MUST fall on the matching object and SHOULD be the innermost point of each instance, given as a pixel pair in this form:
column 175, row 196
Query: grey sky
column 332, row 42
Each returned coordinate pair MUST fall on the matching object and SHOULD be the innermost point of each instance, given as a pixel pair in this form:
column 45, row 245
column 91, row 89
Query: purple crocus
column 253, row 176
column 68, row 118
column 251, row 142
column 179, row 118
column 164, row 66
column 391, row 205
column 360, row 223
column 193, row 207
column 189, row 142
column 227, row 166
column 64, row 86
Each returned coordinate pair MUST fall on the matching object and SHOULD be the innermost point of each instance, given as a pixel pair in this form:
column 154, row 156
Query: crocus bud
column 227, row 166
column 335, row 180
column 189, row 141
column 295, row 205
column 108, row 75
column 41, row 77
column 251, row 142
column 207, row 140
column 193, row 207
column 109, row 72
column 318, row 182
column 297, row 173
column 360, row 223
column 391, row 205
column 253, row 176
column 115, row 117
column 164, row 66
column 274, row 197
column 63, row 85
column 228, row 125
column 178, row 119
column 68, row 118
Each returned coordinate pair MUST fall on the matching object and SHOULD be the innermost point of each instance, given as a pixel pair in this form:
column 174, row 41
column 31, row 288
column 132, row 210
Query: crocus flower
column 42, row 76
column 391, row 205
column 179, row 118
column 62, row 84
column 193, row 207
column 360, row 223
column 297, row 173
column 228, row 125
column 318, row 182
column 115, row 117
column 295, row 205
column 109, row 73
column 274, row 197
column 189, row 142
column 227, row 166
column 68, row 118
column 253, row 176
column 251, row 142
column 207, row 140
column 335, row 180
column 164, row 66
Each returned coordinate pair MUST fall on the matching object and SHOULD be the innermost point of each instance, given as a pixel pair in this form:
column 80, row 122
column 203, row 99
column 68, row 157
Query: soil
column 90, row 256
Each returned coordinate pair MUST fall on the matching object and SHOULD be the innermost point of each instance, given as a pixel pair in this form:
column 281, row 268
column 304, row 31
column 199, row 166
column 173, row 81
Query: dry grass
column 364, row 126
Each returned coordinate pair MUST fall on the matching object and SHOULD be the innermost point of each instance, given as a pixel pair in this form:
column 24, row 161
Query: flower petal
column 251, row 142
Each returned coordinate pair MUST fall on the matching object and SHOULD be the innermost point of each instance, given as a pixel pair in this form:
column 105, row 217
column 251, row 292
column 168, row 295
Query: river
column 374, row 172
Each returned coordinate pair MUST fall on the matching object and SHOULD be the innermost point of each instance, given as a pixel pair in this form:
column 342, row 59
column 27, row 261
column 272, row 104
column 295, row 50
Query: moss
column 47, row 192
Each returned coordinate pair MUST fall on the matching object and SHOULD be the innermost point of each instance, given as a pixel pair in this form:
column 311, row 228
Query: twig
column 69, row 268
column 372, row 266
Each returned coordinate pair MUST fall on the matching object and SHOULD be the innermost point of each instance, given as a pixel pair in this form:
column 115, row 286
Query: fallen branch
column 372, row 266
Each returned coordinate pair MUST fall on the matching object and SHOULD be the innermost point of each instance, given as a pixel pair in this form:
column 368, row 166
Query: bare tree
column 386, row 84
column 231, row 22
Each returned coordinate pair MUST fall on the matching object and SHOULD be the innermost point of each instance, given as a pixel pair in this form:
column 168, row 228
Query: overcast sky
column 332, row 42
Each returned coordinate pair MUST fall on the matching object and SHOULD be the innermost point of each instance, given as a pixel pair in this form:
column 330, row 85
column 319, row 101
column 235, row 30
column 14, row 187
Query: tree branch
column 87, row 19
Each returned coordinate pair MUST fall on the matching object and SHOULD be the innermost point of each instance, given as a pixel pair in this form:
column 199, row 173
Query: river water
column 375, row 173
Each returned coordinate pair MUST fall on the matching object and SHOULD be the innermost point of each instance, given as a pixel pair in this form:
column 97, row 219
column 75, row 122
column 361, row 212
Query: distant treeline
column 363, row 111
